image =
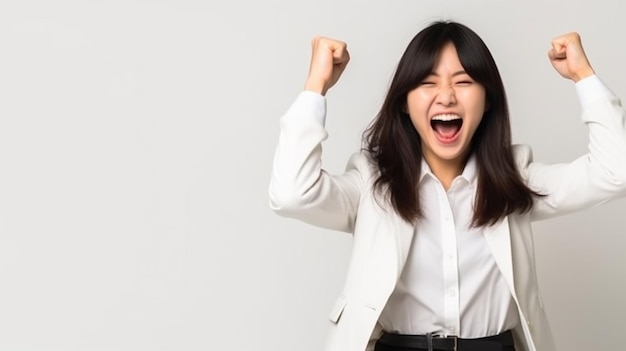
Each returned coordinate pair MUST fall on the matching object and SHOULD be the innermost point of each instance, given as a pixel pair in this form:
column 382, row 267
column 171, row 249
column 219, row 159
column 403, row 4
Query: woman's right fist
column 329, row 58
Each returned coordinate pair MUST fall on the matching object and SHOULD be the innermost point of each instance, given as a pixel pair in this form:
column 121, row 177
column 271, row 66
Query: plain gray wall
column 136, row 140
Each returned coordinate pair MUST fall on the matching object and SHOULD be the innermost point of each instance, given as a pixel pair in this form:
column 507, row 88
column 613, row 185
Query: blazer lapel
column 499, row 242
column 404, row 237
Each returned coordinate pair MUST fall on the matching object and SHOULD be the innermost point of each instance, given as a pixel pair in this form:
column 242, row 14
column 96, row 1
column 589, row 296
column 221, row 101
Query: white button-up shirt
column 450, row 284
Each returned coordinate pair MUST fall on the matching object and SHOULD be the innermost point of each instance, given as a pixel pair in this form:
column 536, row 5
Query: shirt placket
column 450, row 267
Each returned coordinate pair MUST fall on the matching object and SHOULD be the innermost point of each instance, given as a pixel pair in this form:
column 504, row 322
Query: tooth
column 446, row 117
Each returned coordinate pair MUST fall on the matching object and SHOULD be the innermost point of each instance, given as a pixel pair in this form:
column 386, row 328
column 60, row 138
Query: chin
column 451, row 155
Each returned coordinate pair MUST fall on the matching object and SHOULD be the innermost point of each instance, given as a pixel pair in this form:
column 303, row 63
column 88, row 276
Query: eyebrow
column 457, row 73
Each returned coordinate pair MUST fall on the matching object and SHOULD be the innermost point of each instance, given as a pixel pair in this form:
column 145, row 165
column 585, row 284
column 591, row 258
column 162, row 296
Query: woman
column 439, row 201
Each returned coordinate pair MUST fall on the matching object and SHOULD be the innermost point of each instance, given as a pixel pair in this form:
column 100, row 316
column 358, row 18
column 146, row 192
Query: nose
column 446, row 96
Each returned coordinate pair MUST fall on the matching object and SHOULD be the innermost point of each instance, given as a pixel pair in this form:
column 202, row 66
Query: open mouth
column 446, row 126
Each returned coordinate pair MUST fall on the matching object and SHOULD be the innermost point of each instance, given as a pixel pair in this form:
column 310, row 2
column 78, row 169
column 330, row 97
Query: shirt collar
column 425, row 171
column 469, row 171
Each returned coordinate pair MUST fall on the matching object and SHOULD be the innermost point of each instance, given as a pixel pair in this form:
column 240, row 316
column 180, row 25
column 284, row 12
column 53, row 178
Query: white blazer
column 301, row 189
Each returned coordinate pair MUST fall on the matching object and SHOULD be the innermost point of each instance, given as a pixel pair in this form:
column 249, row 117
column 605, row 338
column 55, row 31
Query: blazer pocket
column 337, row 310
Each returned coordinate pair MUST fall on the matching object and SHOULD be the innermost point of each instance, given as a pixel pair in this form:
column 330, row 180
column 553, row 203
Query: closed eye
column 464, row 82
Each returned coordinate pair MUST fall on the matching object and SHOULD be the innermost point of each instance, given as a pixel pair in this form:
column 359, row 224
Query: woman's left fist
column 568, row 57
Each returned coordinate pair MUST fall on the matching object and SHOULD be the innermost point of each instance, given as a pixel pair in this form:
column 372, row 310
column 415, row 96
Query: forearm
column 299, row 187
column 595, row 177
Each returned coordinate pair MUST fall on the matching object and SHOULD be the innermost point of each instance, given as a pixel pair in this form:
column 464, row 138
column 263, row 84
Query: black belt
column 451, row 343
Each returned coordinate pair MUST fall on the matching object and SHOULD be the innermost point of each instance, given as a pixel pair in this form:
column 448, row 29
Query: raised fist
column 329, row 58
column 568, row 57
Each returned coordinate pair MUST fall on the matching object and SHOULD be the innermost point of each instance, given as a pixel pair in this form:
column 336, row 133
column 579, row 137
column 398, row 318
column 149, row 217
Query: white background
column 136, row 140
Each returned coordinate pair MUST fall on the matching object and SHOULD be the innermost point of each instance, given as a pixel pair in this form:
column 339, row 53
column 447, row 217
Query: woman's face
column 445, row 109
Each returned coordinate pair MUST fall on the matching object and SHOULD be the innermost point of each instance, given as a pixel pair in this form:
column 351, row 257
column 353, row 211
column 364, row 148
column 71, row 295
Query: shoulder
column 365, row 166
column 523, row 155
column 363, row 163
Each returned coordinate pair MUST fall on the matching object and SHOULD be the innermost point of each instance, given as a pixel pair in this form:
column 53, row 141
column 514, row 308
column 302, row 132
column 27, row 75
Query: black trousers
column 396, row 342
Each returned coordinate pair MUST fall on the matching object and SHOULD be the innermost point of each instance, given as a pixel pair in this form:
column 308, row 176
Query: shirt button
column 449, row 256
column 452, row 292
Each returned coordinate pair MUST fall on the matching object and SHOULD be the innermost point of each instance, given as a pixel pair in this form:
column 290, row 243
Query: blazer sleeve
column 594, row 178
column 299, row 187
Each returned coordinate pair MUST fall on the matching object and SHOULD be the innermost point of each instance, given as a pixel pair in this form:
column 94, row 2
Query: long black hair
column 395, row 146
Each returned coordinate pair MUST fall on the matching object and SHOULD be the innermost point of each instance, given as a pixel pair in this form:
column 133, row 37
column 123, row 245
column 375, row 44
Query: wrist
column 315, row 86
column 582, row 74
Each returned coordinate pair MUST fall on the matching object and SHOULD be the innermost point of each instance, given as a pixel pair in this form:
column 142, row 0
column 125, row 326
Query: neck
column 447, row 170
